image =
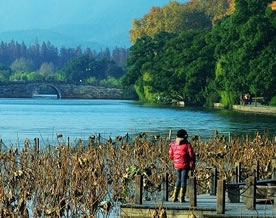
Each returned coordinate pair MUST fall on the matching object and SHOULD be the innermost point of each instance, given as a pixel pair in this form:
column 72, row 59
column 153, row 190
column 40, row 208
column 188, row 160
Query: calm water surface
column 45, row 118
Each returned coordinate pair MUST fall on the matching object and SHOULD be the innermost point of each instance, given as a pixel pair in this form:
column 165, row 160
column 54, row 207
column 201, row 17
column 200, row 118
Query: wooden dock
column 250, row 198
column 206, row 207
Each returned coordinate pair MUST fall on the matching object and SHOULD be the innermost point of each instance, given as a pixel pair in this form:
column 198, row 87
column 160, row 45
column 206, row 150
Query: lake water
column 45, row 118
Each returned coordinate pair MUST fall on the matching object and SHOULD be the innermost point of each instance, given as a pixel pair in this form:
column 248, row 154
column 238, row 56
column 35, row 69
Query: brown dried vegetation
column 85, row 180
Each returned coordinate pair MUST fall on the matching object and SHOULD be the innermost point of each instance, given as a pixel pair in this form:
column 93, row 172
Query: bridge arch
column 37, row 86
column 24, row 89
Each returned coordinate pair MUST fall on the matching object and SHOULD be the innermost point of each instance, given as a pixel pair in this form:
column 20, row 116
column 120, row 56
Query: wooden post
column 250, row 193
column 192, row 191
column 273, row 168
column 233, row 177
column 1, row 145
column 109, row 140
column 122, row 141
column 161, row 144
column 138, row 198
column 213, row 181
column 126, row 138
column 170, row 135
column 257, row 170
column 221, row 197
column 237, row 172
column 36, row 145
column 68, row 142
column 165, row 187
column 99, row 138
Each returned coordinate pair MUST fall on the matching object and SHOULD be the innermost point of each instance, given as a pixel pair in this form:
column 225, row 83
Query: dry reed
column 80, row 180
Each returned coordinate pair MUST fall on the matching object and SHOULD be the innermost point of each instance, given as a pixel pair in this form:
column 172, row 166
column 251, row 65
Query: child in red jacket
column 183, row 156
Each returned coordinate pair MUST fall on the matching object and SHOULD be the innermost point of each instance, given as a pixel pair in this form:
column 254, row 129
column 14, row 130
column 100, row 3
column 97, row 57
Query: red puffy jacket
column 182, row 155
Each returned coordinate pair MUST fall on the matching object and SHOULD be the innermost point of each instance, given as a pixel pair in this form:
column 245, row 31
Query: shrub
column 273, row 101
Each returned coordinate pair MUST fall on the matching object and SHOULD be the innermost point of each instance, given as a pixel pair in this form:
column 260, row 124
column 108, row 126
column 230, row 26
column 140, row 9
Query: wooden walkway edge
column 206, row 207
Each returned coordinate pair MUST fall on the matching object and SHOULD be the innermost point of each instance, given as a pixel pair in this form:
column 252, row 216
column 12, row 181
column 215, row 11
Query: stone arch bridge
column 63, row 90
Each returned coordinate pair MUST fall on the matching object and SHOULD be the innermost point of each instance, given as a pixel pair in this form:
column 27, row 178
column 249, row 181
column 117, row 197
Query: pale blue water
column 45, row 118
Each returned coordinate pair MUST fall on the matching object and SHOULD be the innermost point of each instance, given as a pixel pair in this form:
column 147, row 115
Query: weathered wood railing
column 257, row 100
column 191, row 183
column 219, row 188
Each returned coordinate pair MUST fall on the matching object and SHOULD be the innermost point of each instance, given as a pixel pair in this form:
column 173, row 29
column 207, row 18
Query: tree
column 22, row 65
column 47, row 68
column 242, row 42
column 33, row 54
column 174, row 18
column 113, row 70
column 77, row 69
column 215, row 9
column 5, row 73
column 186, row 65
column 84, row 68
column 47, row 71
column 120, row 55
column 171, row 66
column 141, row 52
column 26, row 76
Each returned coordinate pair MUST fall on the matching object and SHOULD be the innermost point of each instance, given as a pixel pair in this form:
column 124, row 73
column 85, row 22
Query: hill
column 69, row 23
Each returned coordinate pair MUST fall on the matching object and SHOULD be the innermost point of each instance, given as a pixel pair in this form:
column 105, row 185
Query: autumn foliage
column 273, row 5
column 176, row 17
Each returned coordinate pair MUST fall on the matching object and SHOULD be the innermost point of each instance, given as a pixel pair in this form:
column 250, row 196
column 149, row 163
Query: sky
column 33, row 14
column 69, row 23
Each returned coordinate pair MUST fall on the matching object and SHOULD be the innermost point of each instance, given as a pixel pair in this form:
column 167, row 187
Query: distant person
column 246, row 98
column 243, row 99
column 183, row 156
column 249, row 98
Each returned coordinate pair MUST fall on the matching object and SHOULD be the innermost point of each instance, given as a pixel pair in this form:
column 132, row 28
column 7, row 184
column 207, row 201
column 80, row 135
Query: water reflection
column 45, row 96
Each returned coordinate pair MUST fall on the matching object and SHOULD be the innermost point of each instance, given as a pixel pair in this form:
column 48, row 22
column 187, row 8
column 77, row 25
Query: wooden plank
column 266, row 181
column 260, row 182
column 257, row 98
column 206, row 207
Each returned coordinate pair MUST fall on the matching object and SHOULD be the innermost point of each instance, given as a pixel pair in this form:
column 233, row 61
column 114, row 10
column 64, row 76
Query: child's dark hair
column 182, row 133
